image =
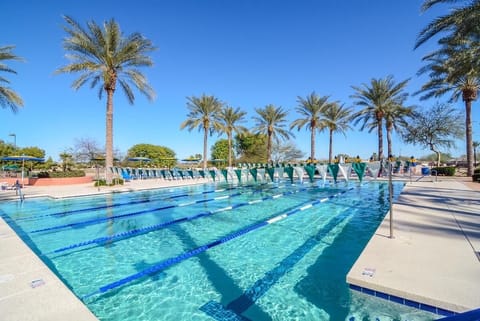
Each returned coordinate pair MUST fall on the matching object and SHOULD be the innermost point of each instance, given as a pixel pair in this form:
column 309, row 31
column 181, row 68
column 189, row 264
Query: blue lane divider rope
column 121, row 216
column 135, row 232
column 101, row 207
column 113, row 217
column 177, row 259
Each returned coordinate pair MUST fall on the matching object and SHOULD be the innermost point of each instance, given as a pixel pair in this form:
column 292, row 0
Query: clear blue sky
column 248, row 53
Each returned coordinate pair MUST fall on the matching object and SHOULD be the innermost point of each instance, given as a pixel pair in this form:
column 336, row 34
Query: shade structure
column 23, row 158
column 139, row 159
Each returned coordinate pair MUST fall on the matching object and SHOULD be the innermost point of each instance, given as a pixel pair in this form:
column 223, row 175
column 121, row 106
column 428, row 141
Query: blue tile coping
column 411, row 303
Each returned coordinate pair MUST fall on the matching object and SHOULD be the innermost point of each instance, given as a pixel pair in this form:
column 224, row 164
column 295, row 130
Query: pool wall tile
column 403, row 301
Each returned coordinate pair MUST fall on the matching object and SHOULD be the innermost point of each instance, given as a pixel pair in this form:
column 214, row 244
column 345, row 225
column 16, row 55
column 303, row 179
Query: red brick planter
column 57, row 181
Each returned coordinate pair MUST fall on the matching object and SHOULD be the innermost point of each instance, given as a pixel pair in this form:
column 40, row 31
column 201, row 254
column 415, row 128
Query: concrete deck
column 434, row 257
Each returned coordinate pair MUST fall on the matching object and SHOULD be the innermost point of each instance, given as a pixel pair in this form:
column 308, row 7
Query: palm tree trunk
column 330, row 146
column 205, row 137
column 380, row 140
column 109, row 137
column 468, row 132
column 312, row 144
column 389, row 141
column 269, row 146
column 229, row 149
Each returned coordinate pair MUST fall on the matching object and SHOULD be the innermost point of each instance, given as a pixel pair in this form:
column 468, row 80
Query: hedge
column 76, row 173
column 476, row 175
column 446, row 171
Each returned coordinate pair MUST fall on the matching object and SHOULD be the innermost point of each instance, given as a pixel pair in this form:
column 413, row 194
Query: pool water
column 245, row 259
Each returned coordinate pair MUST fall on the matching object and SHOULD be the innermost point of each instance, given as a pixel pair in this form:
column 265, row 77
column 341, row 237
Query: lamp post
column 14, row 141
column 390, row 193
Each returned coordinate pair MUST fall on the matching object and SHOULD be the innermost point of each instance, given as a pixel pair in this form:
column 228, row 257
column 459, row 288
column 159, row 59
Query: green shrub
column 476, row 170
column 445, row 171
column 102, row 182
column 76, row 173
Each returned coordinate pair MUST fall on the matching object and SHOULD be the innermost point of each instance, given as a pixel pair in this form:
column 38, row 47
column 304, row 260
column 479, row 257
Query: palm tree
column 451, row 70
column 396, row 117
column 455, row 66
column 336, row 118
column 8, row 97
column 375, row 101
column 311, row 108
column 461, row 22
column 104, row 57
column 271, row 122
column 203, row 114
column 230, row 119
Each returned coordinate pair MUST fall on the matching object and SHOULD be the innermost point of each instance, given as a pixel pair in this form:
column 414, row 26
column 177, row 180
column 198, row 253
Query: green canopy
column 359, row 168
column 253, row 171
column 333, row 169
column 212, row 173
column 310, row 171
column 225, row 174
column 271, row 171
column 289, row 171
column 239, row 174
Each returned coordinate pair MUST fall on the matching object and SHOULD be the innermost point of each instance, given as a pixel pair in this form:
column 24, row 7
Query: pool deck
column 432, row 259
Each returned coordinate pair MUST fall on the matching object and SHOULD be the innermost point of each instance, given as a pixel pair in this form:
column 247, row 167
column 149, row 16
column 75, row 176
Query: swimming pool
column 213, row 252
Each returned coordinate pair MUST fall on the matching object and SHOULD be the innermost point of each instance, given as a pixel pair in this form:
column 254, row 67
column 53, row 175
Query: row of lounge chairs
column 128, row 173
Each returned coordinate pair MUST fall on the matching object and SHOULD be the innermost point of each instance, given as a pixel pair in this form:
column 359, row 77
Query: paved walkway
column 434, row 257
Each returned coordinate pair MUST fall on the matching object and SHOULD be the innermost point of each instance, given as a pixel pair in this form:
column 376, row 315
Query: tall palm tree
column 455, row 66
column 104, row 57
column 451, row 70
column 460, row 22
column 396, row 117
column 230, row 120
column 311, row 108
column 8, row 97
column 336, row 118
column 271, row 121
column 203, row 114
column 375, row 99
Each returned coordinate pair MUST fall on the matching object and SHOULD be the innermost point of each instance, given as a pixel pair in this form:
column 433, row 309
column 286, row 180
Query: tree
column 67, row 161
column 396, row 116
column 451, row 70
column 375, row 99
column 435, row 128
column 203, row 114
column 105, row 58
column 461, row 22
column 311, row 109
column 159, row 155
column 86, row 149
column 230, row 120
column 251, row 148
column 286, row 152
column 455, row 66
column 271, row 122
column 8, row 97
column 6, row 149
column 475, row 144
column 337, row 119
column 221, row 149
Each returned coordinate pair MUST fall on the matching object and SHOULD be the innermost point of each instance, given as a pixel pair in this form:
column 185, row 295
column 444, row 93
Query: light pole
column 14, row 141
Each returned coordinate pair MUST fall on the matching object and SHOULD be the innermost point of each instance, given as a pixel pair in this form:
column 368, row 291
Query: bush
column 77, row 173
column 102, row 182
column 476, row 175
column 445, row 171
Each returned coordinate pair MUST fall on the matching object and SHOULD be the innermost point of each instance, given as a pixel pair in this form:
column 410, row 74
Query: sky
column 247, row 53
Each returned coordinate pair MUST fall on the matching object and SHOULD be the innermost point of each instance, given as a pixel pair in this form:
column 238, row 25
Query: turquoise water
column 291, row 269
